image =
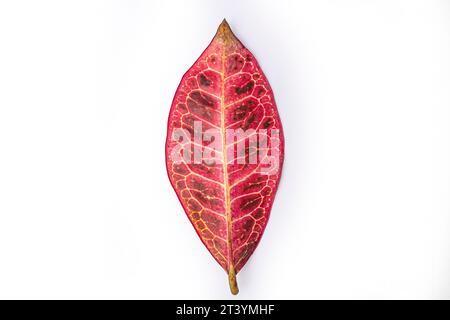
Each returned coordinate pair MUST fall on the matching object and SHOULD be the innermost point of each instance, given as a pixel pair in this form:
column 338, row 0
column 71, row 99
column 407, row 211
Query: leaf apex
column 224, row 25
column 224, row 32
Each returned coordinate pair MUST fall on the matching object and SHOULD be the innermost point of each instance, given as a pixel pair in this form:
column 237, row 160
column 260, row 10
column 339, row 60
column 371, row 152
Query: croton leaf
column 225, row 150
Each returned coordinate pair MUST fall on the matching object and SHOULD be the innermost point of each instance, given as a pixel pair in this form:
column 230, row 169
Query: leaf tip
column 224, row 26
column 224, row 32
column 232, row 280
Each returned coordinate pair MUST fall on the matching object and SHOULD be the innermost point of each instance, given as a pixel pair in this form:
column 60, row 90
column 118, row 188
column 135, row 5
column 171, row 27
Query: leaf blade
column 228, row 202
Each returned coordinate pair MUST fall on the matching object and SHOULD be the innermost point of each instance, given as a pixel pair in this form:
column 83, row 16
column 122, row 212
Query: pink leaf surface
column 226, row 193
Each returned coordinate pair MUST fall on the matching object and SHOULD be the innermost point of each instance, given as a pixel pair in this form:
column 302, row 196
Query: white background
column 87, row 211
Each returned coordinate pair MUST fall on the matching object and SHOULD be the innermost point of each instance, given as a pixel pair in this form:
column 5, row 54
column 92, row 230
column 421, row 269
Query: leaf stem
column 232, row 280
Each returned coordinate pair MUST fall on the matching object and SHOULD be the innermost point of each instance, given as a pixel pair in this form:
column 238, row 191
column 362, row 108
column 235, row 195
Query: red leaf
column 225, row 150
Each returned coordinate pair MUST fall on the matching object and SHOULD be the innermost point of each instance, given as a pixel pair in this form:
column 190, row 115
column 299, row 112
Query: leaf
column 225, row 150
